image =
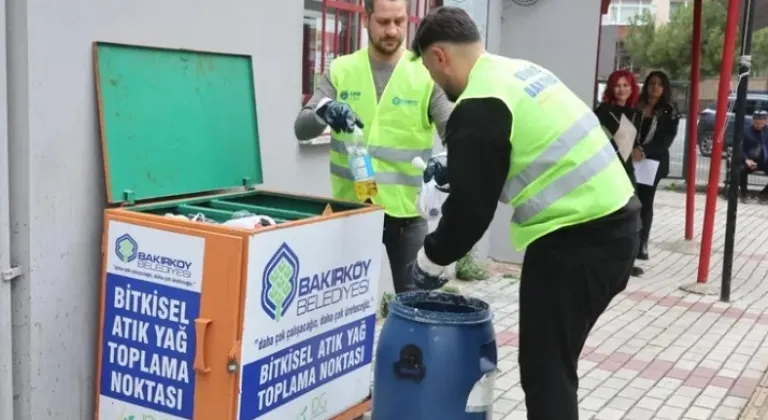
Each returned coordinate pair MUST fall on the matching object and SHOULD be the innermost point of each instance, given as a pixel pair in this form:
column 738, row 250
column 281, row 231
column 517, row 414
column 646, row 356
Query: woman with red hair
column 624, row 92
column 621, row 121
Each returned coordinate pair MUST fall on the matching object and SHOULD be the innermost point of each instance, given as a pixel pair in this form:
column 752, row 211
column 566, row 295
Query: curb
column 757, row 408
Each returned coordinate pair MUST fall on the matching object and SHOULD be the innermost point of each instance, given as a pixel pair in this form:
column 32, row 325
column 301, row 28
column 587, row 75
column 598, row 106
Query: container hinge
column 8, row 274
column 247, row 183
column 233, row 359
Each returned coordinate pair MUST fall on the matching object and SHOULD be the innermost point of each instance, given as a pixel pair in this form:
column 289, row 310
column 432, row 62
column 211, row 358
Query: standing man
column 384, row 90
column 518, row 135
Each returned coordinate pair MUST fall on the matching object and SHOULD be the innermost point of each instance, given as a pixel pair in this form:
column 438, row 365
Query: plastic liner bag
column 434, row 186
column 246, row 220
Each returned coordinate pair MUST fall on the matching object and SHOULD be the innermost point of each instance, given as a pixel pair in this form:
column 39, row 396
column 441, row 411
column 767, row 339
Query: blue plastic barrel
column 435, row 360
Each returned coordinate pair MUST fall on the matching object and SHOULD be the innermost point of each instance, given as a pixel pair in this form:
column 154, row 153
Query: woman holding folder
column 621, row 121
column 658, row 129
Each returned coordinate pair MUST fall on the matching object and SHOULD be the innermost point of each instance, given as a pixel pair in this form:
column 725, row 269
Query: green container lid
column 175, row 122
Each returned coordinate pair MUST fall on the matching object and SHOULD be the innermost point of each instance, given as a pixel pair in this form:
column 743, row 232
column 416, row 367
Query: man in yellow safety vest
column 574, row 206
column 391, row 96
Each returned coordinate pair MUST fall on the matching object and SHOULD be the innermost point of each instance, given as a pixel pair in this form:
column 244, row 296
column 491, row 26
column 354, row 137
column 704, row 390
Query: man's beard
column 378, row 46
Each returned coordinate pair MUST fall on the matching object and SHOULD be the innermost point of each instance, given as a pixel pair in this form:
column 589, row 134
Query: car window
column 751, row 106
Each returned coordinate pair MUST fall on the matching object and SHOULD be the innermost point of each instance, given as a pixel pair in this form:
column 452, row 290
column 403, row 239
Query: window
column 623, row 59
column 628, row 12
column 621, row 12
column 752, row 105
column 334, row 27
column 328, row 30
column 675, row 6
column 417, row 9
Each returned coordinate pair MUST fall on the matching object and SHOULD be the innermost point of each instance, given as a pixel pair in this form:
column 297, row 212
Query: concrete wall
column 607, row 59
column 57, row 187
column 6, row 326
column 574, row 62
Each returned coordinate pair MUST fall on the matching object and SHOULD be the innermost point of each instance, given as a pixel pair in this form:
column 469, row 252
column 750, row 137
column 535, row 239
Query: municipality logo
column 349, row 95
column 397, row 101
column 126, row 248
column 279, row 282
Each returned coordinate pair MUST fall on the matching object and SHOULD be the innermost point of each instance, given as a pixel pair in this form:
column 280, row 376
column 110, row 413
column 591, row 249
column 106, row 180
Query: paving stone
column 670, row 413
column 658, row 352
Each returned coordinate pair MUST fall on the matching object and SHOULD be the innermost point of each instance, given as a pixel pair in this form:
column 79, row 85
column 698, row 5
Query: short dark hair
column 369, row 5
column 444, row 24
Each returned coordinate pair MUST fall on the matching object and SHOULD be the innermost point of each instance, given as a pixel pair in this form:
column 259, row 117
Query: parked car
column 706, row 124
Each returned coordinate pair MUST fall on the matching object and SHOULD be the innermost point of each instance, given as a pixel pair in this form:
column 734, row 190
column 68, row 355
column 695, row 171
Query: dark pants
column 564, row 288
column 403, row 238
column 744, row 177
column 646, row 194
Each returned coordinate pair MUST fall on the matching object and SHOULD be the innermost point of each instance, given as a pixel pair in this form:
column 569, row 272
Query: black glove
column 427, row 275
column 339, row 116
column 437, row 169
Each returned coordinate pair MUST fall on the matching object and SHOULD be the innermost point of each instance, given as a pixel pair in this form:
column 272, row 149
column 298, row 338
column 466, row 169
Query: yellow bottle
column 362, row 168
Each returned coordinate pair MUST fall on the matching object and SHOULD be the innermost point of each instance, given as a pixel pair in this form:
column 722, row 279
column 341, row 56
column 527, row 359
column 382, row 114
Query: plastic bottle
column 419, row 163
column 362, row 168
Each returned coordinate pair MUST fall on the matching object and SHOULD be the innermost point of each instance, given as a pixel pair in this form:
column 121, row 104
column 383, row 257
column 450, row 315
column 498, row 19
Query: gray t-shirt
column 307, row 126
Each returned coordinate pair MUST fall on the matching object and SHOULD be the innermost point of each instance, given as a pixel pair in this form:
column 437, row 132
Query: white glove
column 427, row 275
column 434, row 187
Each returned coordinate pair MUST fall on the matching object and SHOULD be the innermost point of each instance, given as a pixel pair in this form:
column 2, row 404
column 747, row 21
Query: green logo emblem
column 126, row 249
column 279, row 282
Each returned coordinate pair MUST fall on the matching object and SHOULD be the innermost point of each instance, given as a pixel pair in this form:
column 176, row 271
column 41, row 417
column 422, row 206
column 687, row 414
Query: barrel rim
column 400, row 306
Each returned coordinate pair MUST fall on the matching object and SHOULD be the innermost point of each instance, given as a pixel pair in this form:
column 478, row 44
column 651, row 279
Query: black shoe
column 642, row 254
column 636, row 272
column 749, row 199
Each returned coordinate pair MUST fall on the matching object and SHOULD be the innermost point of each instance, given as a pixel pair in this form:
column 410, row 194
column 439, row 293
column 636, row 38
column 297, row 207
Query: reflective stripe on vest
column 382, row 178
column 384, row 153
column 550, row 157
column 397, row 129
column 565, row 184
column 563, row 170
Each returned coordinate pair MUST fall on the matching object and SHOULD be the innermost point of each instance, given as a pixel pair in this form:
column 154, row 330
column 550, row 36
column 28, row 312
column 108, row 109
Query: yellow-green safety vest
column 397, row 129
column 563, row 169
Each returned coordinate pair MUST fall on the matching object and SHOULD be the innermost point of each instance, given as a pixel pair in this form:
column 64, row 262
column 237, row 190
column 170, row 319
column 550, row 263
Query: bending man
column 518, row 135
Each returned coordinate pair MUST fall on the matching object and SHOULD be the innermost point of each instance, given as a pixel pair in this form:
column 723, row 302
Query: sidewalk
column 659, row 352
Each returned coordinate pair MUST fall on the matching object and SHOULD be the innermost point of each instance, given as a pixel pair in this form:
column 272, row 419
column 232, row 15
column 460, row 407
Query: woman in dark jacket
column 620, row 99
column 658, row 130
